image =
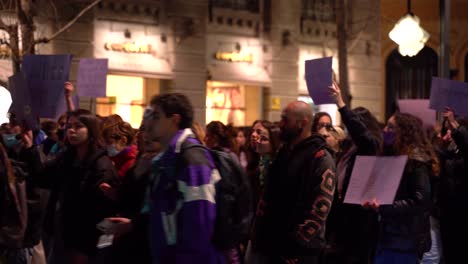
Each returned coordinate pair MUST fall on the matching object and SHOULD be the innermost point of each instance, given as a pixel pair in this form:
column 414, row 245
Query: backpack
column 233, row 200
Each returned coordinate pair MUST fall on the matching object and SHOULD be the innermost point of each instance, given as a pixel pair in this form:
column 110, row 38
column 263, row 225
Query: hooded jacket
column 298, row 196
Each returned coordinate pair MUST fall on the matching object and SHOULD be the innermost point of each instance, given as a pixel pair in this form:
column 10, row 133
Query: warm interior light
column 409, row 35
column 128, row 91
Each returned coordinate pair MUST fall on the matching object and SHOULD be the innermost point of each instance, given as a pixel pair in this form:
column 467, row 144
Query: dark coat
column 351, row 228
column 299, row 182
column 76, row 200
column 404, row 225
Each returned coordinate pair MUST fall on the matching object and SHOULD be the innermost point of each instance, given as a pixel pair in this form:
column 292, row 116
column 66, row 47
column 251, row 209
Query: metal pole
column 444, row 58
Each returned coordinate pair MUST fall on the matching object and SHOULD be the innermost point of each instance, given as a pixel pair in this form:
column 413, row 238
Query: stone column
column 284, row 63
column 188, row 22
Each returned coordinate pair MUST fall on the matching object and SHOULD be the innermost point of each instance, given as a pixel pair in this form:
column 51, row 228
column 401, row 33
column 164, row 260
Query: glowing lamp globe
column 409, row 35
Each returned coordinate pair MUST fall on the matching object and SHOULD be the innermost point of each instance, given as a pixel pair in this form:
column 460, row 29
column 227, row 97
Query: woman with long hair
column 219, row 136
column 404, row 226
column 352, row 230
column 77, row 202
column 321, row 120
column 267, row 141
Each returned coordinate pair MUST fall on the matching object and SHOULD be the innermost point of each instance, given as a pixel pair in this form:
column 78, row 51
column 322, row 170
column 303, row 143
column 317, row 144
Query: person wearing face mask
column 121, row 149
column 132, row 225
column 404, row 226
column 453, row 154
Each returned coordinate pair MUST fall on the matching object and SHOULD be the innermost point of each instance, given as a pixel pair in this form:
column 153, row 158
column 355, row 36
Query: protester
column 13, row 210
column 132, row 226
column 404, row 226
column 267, row 145
column 191, row 216
column 352, row 230
column 119, row 140
column 77, row 205
column 321, row 119
column 50, row 128
column 219, row 136
column 453, row 186
column 334, row 137
column 241, row 141
column 298, row 194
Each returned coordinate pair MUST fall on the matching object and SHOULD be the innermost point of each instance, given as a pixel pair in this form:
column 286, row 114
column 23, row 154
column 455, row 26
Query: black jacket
column 404, row 225
column 453, row 176
column 298, row 194
column 351, row 228
column 76, row 200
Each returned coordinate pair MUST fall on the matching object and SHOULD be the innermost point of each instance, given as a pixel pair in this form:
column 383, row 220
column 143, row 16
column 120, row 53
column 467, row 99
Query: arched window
column 409, row 77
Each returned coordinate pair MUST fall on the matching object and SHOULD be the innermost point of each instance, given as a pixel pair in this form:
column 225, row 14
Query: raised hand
column 69, row 88
column 449, row 114
column 335, row 93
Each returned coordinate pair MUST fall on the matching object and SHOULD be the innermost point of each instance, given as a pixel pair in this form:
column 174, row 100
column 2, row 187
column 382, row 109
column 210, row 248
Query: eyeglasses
column 328, row 127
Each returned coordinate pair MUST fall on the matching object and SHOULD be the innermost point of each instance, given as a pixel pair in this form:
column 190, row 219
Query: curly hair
column 119, row 130
column 411, row 138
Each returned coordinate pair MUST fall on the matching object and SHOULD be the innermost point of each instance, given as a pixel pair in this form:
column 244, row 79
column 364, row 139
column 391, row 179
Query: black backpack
column 233, row 200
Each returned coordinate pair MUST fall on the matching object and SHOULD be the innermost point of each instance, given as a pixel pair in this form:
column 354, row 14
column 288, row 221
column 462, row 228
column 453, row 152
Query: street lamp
column 408, row 34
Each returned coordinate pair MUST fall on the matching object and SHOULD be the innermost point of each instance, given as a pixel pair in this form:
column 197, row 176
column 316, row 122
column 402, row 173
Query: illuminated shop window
column 225, row 102
column 124, row 97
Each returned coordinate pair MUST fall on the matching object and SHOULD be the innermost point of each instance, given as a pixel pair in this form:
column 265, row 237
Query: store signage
column 129, row 47
column 275, row 103
column 234, row 57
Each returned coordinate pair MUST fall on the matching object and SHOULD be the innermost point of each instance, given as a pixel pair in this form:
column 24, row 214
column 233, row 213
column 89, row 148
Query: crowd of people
column 92, row 189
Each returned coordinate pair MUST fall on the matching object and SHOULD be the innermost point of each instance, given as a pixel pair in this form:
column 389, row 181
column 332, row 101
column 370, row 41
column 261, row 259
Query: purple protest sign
column 46, row 76
column 419, row 108
column 92, row 77
column 448, row 93
column 318, row 74
column 47, row 94
column 22, row 103
column 375, row 177
column 46, row 67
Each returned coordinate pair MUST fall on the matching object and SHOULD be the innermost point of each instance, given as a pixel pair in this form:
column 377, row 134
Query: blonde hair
column 338, row 133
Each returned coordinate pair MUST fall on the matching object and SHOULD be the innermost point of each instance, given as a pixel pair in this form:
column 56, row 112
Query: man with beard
column 298, row 193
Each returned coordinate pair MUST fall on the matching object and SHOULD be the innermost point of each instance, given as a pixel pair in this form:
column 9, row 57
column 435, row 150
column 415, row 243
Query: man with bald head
column 298, row 194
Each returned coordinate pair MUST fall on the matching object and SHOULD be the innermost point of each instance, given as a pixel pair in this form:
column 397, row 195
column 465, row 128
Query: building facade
column 238, row 61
